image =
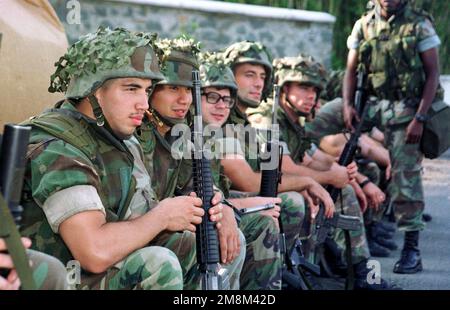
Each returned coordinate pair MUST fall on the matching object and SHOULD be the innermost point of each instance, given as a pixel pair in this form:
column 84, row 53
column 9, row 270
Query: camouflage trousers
column 405, row 187
column 296, row 223
column 48, row 272
column 149, row 268
column 262, row 266
column 350, row 204
column 183, row 245
column 392, row 117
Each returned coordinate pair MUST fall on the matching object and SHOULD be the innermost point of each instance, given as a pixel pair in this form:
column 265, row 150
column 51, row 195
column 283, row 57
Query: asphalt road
column 435, row 239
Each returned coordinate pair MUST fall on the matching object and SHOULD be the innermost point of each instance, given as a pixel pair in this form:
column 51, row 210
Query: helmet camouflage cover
column 303, row 69
column 253, row 53
column 178, row 58
column 103, row 55
column 215, row 72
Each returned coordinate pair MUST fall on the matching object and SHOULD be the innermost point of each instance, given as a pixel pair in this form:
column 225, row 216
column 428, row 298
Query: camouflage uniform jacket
column 246, row 137
column 66, row 150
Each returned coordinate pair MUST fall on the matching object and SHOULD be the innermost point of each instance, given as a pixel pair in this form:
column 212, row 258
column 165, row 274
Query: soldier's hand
column 311, row 203
column 229, row 242
column 352, row 170
column 362, row 199
column 274, row 213
column 349, row 113
column 320, row 195
column 12, row 281
column 215, row 211
column 374, row 194
column 414, row 132
column 339, row 176
column 182, row 213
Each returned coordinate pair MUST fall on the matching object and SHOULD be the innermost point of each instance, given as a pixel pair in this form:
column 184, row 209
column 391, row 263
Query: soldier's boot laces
column 365, row 282
column 410, row 260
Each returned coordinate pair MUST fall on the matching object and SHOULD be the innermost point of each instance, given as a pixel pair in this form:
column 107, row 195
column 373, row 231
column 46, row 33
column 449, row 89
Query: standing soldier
column 396, row 45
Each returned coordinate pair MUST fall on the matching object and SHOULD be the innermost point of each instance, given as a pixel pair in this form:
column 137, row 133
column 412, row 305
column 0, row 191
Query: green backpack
column 436, row 134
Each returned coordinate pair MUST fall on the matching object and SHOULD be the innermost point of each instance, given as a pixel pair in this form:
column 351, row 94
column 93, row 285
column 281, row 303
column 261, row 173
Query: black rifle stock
column 12, row 169
column 207, row 242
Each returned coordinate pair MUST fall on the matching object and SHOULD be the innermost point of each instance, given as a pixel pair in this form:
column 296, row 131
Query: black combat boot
column 387, row 226
column 377, row 250
column 376, row 230
column 410, row 261
column 386, row 242
column 364, row 282
column 427, row 217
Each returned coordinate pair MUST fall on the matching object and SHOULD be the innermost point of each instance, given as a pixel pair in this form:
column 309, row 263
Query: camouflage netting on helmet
column 104, row 55
column 179, row 58
column 334, row 85
column 215, row 72
column 253, row 53
column 302, row 69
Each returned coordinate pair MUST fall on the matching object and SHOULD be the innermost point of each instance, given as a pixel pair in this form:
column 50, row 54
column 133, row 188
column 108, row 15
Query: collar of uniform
column 237, row 117
column 284, row 118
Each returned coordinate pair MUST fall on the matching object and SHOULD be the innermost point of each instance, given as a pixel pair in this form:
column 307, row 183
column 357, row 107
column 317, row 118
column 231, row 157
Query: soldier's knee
column 48, row 272
column 163, row 262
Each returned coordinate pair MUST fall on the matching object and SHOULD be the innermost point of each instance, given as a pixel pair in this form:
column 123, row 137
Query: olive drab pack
column 436, row 134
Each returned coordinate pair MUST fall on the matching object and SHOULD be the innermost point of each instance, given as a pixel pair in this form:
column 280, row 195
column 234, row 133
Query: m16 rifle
column 12, row 168
column 208, row 254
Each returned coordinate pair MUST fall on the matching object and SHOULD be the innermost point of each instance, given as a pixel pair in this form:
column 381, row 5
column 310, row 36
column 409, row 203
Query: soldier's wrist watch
column 421, row 118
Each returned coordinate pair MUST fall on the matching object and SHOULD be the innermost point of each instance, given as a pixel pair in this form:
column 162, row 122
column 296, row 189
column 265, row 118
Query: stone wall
column 217, row 24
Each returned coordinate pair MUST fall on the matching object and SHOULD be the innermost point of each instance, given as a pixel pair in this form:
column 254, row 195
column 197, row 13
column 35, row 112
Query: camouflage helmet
column 179, row 58
column 302, row 69
column 253, row 53
column 214, row 72
column 103, row 55
column 334, row 85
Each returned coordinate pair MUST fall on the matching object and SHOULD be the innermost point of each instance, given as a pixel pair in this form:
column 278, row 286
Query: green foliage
column 348, row 11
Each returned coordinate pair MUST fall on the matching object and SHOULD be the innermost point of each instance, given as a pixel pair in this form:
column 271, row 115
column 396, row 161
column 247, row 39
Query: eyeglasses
column 213, row 98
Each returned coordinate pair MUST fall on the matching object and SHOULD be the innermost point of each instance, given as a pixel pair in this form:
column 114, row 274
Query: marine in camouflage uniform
column 293, row 208
column 262, row 266
column 305, row 71
column 79, row 163
column 396, row 46
column 170, row 171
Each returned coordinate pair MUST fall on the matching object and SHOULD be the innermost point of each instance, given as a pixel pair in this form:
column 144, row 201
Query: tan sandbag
column 32, row 41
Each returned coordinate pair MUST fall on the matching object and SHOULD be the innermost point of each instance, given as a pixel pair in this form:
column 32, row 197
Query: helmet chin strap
column 168, row 121
column 101, row 120
column 98, row 113
column 296, row 111
column 248, row 102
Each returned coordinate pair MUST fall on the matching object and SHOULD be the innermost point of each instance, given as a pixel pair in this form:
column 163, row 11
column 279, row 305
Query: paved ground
column 435, row 240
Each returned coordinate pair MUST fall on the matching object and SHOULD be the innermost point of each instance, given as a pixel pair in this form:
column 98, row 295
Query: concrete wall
column 217, row 24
